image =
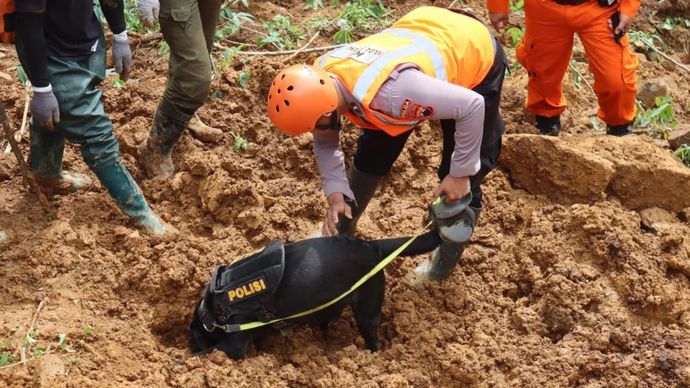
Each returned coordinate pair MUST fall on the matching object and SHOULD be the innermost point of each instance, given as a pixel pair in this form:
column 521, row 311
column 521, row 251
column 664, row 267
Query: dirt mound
column 578, row 274
column 589, row 169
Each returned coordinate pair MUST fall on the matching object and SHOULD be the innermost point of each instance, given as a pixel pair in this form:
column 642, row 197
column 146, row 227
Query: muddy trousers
column 377, row 151
column 189, row 26
column 83, row 121
column 546, row 49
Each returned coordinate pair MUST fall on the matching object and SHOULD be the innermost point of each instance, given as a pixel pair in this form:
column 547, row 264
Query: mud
column 578, row 274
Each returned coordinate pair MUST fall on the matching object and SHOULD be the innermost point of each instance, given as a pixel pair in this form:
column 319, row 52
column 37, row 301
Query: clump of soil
column 578, row 273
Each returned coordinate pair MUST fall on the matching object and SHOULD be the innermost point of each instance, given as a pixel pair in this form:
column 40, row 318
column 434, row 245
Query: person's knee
column 100, row 150
column 189, row 88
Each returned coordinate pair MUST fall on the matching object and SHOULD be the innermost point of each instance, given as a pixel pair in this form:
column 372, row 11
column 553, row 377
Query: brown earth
column 579, row 272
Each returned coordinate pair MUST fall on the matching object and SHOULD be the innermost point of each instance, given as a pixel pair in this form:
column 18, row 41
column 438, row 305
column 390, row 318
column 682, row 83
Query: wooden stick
column 286, row 52
column 668, row 57
column 25, row 347
column 25, row 361
column 28, row 176
column 301, row 49
column 22, row 129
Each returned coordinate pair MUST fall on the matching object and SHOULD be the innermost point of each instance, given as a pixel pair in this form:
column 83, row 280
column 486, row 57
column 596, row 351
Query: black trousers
column 377, row 150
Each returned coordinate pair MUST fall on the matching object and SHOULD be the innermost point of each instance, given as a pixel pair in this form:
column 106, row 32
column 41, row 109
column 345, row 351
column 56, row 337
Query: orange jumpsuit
column 547, row 45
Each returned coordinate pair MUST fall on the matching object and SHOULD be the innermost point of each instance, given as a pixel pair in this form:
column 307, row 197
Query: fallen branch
column 286, row 52
column 22, row 130
column 28, row 176
column 301, row 49
column 663, row 54
column 25, row 361
column 24, row 347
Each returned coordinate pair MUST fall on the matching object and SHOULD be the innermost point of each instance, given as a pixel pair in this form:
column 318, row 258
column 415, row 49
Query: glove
column 122, row 55
column 148, row 12
column 44, row 108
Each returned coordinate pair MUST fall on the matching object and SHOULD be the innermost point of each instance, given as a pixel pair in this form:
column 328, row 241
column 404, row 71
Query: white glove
column 148, row 12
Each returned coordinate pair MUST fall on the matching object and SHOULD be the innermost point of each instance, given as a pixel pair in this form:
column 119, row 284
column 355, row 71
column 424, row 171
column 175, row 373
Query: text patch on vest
column 362, row 54
column 250, row 288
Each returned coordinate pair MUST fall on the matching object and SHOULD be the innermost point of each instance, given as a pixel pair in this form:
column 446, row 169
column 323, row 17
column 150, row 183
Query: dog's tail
column 424, row 243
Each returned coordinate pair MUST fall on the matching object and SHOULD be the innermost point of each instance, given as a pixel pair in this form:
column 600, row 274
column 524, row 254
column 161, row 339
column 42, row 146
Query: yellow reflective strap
column 369, row 275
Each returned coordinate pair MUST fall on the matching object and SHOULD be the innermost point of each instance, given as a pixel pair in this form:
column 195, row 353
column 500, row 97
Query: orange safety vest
column 446, row 45
column 6, row 11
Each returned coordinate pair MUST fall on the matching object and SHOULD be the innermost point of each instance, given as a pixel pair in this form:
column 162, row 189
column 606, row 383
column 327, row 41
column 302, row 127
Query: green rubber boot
column 46, row 163
column 363, row 186
column 445, row 257
column 125, row 191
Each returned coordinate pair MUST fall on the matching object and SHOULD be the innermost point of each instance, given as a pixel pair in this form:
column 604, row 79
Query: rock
column 50, row 369
column 203, row 132
column 684, row 215
column 4, row 238
column 678, row 136
column 655, row 218
column 550, row 166
column 7, row 166
column 661, row 143
column 649, row 90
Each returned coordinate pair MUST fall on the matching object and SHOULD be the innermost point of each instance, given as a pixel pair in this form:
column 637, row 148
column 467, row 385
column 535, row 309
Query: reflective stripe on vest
column 420, row 44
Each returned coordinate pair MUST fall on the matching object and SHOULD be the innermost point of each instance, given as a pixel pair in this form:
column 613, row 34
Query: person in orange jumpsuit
column 545, row 53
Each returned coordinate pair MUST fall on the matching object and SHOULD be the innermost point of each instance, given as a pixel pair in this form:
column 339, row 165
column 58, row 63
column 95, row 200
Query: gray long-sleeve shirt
column 410, row 94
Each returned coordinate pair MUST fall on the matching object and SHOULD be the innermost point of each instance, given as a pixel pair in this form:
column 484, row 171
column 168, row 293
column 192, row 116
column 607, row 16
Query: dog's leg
column 366, row 307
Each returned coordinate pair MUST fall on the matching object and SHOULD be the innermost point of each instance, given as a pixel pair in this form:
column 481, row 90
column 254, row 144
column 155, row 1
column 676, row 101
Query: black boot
column 550, row 126
column 363, row 186
column 618, row 130
column 168, row 125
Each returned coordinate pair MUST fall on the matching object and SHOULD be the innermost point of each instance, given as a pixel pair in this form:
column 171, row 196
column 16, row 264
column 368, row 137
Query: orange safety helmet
column 300, row 95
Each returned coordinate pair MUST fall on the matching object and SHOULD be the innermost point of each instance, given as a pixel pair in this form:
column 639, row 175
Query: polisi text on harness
column 247, row 289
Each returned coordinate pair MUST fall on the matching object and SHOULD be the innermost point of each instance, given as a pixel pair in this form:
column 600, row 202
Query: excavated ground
column 578, row 274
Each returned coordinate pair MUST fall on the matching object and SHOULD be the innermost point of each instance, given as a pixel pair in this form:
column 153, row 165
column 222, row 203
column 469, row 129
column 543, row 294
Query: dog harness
column 246, row 286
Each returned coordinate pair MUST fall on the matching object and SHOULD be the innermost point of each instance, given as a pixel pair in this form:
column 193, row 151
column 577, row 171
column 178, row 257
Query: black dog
column 283, row 280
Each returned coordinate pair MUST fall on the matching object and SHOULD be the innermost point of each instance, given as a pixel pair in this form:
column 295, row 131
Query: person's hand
column 148, row 12
column 622, row 27
column 44, row 108
column 336, row 206
column 499, row 20
column 453, row 187
column 122, row 55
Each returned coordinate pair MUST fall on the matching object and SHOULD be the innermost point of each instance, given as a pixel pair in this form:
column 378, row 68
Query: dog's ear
column 235, row 345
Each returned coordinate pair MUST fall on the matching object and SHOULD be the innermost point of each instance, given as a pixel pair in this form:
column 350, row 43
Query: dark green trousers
column 83, row 119
column 189, row 26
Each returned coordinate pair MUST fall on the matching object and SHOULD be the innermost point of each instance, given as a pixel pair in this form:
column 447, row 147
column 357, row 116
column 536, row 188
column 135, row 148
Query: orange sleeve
column 502, row 6
column 628, row 7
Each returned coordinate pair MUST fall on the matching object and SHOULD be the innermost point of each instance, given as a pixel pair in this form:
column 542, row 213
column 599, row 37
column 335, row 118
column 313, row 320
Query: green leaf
column 4, row 357
column 243, row 77
column 240, row 143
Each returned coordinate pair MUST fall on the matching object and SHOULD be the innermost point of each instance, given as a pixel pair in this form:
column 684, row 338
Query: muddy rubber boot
column 125, row 191
column 67, row 182
column 618, row 130
column 155, row 153
column 446, row 256
column 363, row 186
column 46, row 164
column 549, row 126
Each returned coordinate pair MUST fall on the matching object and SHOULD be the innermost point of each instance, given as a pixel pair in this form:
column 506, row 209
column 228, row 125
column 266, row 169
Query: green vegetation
column 515, row 34
column 282, row 34
column 517, row 5
column 659, row 121
column 683, row 153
